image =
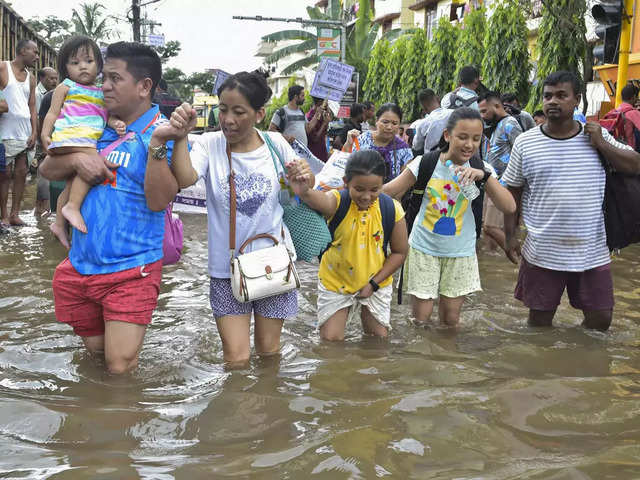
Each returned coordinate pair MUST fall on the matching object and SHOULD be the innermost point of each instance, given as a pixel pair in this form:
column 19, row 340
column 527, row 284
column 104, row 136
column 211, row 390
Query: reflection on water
column 498, row 400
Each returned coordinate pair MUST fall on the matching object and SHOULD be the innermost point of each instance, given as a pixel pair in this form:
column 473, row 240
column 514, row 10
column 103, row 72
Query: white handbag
column 261, row 273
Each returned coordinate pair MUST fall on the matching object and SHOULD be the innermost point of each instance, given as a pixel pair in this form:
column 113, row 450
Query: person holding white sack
column 244, row 181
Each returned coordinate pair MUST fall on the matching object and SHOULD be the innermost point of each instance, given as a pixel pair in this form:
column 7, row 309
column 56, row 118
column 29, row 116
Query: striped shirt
column 563, row 190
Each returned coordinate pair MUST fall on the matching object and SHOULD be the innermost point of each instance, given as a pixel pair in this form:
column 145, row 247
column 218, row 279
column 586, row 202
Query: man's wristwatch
column 375, row 286
column 159, row 152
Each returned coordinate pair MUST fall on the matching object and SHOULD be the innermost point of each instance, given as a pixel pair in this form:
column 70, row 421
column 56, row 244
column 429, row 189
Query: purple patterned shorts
column 224, row 303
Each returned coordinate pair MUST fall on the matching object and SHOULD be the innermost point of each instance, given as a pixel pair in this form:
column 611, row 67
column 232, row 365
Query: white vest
column 16, row 123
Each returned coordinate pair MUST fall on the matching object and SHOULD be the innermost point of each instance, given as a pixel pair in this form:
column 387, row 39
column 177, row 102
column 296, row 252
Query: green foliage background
column 440, row 64
column 470, row 49
column 562, row 35
column 412, row 78
column 505, row 67
column 393, row 72
column 374, row 85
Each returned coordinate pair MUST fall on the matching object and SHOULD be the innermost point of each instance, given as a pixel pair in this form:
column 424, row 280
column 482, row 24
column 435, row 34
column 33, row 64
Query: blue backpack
column 387, row 209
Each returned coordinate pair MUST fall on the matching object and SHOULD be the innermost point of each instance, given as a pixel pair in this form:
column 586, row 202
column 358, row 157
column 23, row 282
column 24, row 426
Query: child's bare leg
column 71, row 211
column 371, row 326
column 333, row 328
column 449, row 310
column 58, row 227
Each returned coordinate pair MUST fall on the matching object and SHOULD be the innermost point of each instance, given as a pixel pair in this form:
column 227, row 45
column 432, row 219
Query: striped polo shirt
column 563, row 190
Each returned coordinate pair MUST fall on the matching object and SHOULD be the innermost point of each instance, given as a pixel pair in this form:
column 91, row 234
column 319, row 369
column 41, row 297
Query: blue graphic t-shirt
column 445, row 225
column 122, row 232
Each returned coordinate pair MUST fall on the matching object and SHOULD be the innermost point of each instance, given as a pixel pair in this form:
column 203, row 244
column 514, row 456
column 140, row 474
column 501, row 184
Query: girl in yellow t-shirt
column 355, row 271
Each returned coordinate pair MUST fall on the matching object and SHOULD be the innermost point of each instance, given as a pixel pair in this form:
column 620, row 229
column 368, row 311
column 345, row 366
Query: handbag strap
column 274, row 152
column 232, row 205
column 115, row 144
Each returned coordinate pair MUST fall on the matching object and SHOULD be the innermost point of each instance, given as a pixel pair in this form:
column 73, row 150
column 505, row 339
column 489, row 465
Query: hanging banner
column 221, row 77
column 328, row 43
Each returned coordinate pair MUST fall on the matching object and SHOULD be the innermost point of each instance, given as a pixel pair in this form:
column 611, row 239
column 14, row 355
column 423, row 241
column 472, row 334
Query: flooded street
column 497, row 400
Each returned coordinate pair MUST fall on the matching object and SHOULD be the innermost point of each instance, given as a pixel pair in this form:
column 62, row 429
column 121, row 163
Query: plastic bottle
column 470, row 191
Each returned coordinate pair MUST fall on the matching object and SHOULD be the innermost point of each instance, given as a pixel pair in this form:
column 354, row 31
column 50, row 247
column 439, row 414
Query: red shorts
column 86, row 302
column 541, row 289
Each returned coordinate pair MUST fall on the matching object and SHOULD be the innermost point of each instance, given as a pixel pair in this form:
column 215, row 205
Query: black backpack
column 387, row 210
column 620, row 207
column 413, row 200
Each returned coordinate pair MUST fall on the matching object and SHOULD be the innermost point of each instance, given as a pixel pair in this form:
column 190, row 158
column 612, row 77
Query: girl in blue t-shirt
column 442, row 260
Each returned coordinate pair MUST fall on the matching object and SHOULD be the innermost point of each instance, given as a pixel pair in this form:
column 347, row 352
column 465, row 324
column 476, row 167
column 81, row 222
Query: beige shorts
column 428, row 277
column 15, row 148
column 491, row 216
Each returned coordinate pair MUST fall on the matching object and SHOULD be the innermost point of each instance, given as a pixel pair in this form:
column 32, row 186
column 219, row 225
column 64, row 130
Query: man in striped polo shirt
column 557, row 178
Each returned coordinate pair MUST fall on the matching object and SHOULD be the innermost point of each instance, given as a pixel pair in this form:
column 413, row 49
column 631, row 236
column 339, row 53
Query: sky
column 210, row 38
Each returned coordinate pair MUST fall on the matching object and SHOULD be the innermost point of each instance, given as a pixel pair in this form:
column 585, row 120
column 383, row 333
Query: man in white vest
column 18, row 126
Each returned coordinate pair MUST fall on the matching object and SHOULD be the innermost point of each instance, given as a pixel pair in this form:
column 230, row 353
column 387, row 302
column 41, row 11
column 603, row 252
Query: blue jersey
column 122, row 232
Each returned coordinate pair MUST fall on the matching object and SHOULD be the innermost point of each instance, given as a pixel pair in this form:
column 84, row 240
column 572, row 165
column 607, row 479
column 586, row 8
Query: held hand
column 467, row 175
column 120, row 127
column 46, row 141
column 513, row 250
column 594, row 130
column 297, row 175
column 289, row 138
column 94, row 169
column 352, row 136
column 183, row 120
column 366, row 291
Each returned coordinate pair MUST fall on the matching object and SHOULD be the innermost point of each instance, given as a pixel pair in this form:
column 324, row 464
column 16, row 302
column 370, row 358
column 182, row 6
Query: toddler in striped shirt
column 75, row 122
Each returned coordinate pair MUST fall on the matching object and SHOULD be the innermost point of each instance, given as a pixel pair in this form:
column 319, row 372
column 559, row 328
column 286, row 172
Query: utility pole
column 625, row 49
column 135, row 12
column 135, row 16
column 328, row 23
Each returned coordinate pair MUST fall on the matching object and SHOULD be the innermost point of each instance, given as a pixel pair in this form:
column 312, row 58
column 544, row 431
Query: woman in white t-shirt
column 242, row 99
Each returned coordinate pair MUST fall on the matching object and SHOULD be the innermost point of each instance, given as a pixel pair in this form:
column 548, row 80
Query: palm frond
column 288, row 50
column 304, row 62
column 288, row 35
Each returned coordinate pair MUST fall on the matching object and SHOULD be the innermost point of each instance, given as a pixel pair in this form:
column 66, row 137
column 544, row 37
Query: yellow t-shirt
column 355, row 254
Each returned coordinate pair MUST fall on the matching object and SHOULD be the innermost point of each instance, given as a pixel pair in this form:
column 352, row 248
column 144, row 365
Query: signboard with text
column 332, row 80
column 155, row 40
column 328, row 43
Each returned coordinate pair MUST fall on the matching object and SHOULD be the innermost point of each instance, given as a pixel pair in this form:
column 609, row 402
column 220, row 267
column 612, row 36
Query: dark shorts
column 541, row 289
column 223, row 302
column 86, row 302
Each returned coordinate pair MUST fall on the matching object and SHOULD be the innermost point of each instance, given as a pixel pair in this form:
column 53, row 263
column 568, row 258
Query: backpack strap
column 428, row 164
column 477, row 205
column 341, row 212
column 388, row 212
column 283, row 119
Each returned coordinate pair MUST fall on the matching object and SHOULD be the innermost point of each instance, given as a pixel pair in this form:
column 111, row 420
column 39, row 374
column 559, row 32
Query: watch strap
column 374, row 284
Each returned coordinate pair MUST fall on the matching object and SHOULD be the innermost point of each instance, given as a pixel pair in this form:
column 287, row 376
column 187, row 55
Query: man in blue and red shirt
column 108, row 287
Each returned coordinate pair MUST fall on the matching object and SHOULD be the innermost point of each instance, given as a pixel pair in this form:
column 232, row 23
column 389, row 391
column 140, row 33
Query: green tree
column 393, row 72
column 441, row 56
column 361, row 39
column 412, row 78
column 177, row 82
column 54, row 30
column 470, row 49
column 89, row 20
column 505, row 67
column 171, row 49
column 562, row 41
column 203, row 80
column 374, row 85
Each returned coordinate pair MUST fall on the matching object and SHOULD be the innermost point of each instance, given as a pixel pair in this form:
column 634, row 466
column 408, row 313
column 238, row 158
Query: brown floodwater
column 496, row 400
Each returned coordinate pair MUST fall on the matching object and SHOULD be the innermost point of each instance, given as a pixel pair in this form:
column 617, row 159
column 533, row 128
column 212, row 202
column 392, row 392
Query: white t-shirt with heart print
column 257, row 192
